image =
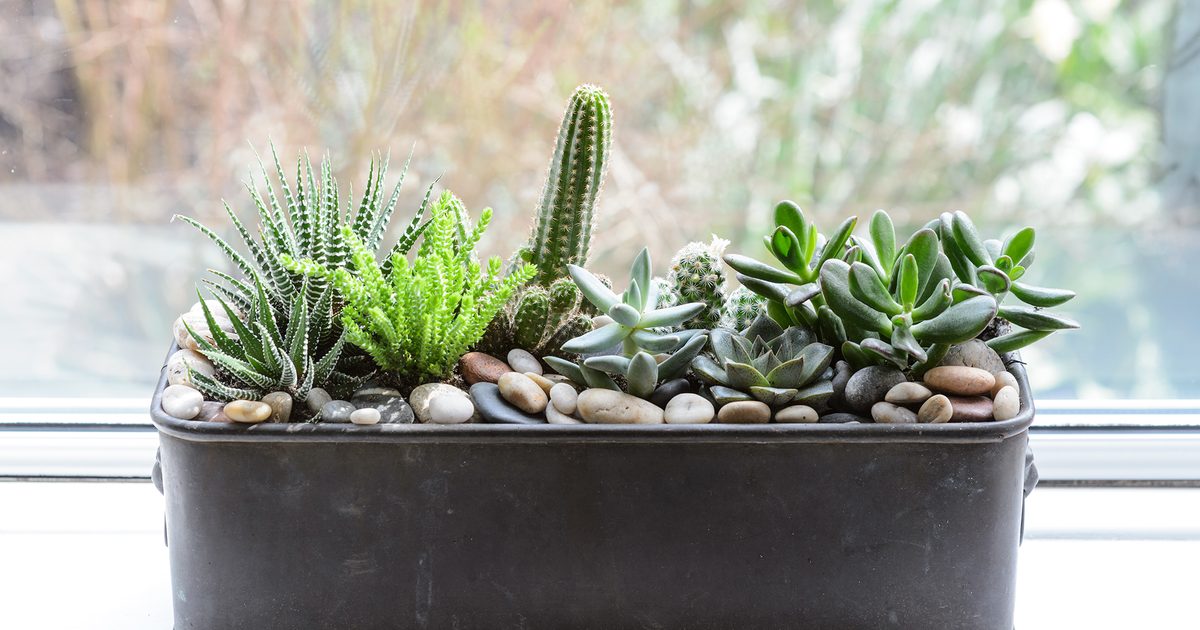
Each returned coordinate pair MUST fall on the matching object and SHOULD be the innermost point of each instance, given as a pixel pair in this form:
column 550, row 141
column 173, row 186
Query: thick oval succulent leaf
column 963, row 292
column 640, row 273
column 802, row 294
column 748, row 266
column 720, row 340
column 867, row 255
column 773, row 291
column 903, row 339
column 633, row 296
column 958, row 323
column 671, row 316
column 835, row 286
column 763, row 327
column 993, row 279
column 567, row 368
column 743, row 376
column 625, row 315
column 883, row 351
column 590, row 286
column 1041, row 296
column 814, row 395
column 830, row 326
column 708, row 370
column 654, row 342
column 963, row 268
column 866, row 286
column 786, row 248
column 1004, row 263
column 1020, row 244
column 1036, row 319
column 725, row 395
column 610, row 363
column 790, row 216
column 993, row 249
column 642, row 375
column 833, row 247
column 597, row 340
column 854, row 354
column 909, row 282
column 773, row 396
column 936, row 303
column 968, row 239
column 883, row 237
column 1017, row 340
column 787, row 374
column 598, row 379
column 817, row 358
column 675, row 365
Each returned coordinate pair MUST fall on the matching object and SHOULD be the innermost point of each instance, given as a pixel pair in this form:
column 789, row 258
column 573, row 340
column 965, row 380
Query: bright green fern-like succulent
column 637, row 328
column 417, row 319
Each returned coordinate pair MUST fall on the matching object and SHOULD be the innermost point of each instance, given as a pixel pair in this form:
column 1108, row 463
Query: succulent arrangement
column 843, row 327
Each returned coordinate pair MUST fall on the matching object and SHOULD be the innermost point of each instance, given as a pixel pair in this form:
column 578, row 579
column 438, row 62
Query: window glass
column 1075, row 116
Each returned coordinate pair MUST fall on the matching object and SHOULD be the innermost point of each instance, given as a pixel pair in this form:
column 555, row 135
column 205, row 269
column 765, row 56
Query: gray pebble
column 523, row 361
column 669, row 390
column 869, row 385
column 336, row 411
column 888, row 413
column 317, row 398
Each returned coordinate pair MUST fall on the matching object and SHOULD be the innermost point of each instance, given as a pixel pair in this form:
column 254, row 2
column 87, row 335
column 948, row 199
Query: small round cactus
column 697, row 275
column 741, row 308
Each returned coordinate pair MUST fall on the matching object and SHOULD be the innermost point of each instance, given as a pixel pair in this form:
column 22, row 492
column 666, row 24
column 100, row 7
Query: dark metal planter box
column 590, row 526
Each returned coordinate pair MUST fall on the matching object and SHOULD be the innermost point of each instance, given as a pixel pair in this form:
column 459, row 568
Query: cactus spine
column 697, row 275
column 742, row 307
column 562, row 233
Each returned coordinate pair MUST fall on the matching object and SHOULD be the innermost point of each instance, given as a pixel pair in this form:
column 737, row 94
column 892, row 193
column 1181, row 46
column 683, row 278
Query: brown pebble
column 971, row 408
column 212, row 411
column 541, row 381
column 1004, row 379
column 478, row 367
column 960, row 380
column 744, row 412
column 935, row 410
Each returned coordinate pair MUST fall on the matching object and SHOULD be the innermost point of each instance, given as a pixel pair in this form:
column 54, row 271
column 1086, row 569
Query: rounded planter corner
column 596, row 526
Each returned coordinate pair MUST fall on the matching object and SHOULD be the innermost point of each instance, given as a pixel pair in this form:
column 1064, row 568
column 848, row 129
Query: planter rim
column 956, row 432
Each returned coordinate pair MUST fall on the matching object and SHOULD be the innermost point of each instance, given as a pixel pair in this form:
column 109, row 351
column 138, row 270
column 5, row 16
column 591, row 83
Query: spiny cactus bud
column 697, row 276
column 741, row 308
column 666, row 292
column 529, row 322
column 563, row 231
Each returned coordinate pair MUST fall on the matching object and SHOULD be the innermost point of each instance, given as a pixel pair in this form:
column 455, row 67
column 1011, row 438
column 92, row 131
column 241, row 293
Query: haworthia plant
column 543, row 316
column 997, row 267
column 417, row 319
column 636, row 329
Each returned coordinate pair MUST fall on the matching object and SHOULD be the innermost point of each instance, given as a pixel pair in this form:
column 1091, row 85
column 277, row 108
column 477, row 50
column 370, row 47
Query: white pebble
column 554, row 416
column 688, row 408
column 564, row 398
column 366, row 415
column 450, row 409
column 1007, row 404
column 177, row 367
column 522, row 361
column 1004, row 379
column 182, row 401
column 797, row 413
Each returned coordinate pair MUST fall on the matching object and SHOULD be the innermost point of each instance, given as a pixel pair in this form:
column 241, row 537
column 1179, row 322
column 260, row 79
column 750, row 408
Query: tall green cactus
column 551, row 311
column 562, row 233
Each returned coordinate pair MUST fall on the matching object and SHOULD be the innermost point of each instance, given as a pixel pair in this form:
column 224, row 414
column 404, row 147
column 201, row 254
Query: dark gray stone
column 841, row 376
column 336, row 411
column 869, row 385
column 392, row 407
column 842, row 418
column 669, row 390
column 492, row 408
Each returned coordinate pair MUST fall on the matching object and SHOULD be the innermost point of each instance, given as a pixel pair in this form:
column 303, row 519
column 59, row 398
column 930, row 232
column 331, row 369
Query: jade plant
column 637, row 328
column 544, row 315
column 997, row 267
column 272, row 307
column 767, row 363
column 416, row 319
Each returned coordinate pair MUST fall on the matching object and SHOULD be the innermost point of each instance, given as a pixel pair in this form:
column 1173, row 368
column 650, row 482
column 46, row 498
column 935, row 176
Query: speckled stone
column 796, row 414
column 869, row 385
column 281, row 406
column 336, row 411
column 422, row 397
column 843, row 418
column 688, row 408
column 974, row 353
column 888, row 413
column 393, row 409
column 177, row 367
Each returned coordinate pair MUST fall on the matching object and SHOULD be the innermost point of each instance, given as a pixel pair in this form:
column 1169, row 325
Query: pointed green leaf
column 749, row 267
column 1017, row 340
column 597, row 340
column 590, row 286
column 960, row 322
column 1041, row 296
column 1036, row 319
column 1020, row 244
column 883, row 237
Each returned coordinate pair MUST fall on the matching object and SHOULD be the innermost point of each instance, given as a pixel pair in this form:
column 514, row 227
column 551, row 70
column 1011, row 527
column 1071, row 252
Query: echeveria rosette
column 767, row 363
column 636, row 328
column 793, row 294
column 996, row 267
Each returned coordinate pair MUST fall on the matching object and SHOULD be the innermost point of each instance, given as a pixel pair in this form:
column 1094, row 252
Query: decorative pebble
column 688, row 408
column 796, row 413
column 248, row 411
column 869, row 385
column 907, row 394
column 215, row 307
column 1006, row 405
column 564, row 398
column 450, row 409
column 960, row 380
column 478, row 367
column 843, row 418
column 366, row 415
column 317, row 398
column 335, row 411
column 523, row 393
column 422, row 397
column 888, row 413
column 554, row 416
column 974, row 353
column 391, row 405
column 669, row 390
column 182, row 401
column 745, row 412
column 523, row 361
column 605, row 406
column 1004, row 379
column 212, row 411
column 177, row 367
column 493, row 408
column 971, row 408
column 281, row 406
column 841, row 376
column 541, row 381
column 936, row 410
